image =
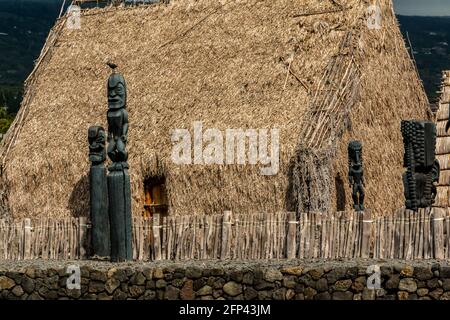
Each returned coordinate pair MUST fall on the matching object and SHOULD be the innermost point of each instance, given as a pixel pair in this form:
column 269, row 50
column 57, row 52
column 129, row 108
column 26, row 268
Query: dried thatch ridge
column 253, row 64
column 322, row 127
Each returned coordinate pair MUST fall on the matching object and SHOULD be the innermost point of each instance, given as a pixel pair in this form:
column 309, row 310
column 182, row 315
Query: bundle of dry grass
column 310, row 68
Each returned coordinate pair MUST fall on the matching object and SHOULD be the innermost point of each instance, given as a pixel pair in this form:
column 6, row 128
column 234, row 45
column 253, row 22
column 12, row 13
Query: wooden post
column 426, row 235
column 156, row 237
column 438, row 230
column 423, row 214
column 303, row 222
column 367, row 225
column 408, row 225
column 388, row 238
column 402, row 250
column 291, row 243
column 332, row 236
column 82, row 237
column 226, row 232
column 27, row 238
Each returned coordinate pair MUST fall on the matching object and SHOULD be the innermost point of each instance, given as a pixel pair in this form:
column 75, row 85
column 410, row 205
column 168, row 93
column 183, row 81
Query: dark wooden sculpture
column 422, row 168
column 98, row 192
column 356, row 174
column 119, row 192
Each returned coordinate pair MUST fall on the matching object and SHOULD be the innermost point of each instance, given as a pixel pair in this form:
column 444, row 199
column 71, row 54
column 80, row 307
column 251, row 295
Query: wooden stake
column 27, row 240
column 226, row 232
column 438, row 228
column 156, row 237
column 291, row 243
column 366, row 234
column 82, row 237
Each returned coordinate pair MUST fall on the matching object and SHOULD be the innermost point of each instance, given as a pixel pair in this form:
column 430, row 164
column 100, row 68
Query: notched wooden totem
column 98, row 192
column 117, row 121
column 422, row 168
column 119, row 191
column 356, row 174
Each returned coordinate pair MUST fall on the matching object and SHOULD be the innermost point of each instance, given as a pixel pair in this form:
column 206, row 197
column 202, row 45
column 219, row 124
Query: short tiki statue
column 98, row 192
column 356, row 174
column 422, row 168
column 119, row 192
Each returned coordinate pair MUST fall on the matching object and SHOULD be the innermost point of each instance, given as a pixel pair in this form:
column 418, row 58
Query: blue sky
column 423, row 7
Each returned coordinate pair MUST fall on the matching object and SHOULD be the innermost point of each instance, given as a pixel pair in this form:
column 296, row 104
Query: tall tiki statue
column 119, row 192
column 422, row 168
column 356, row 174
column 98, row 192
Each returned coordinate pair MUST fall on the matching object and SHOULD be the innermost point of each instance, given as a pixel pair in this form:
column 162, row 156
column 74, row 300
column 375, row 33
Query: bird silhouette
column 112, row 65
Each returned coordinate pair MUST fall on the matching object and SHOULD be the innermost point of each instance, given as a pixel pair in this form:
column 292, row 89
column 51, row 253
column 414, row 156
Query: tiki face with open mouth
column 117, row 94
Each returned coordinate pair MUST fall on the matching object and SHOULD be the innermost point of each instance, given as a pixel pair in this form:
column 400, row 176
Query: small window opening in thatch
column 155, row 196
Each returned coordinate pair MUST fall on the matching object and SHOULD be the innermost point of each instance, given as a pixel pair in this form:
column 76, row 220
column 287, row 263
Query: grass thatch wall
column 382, row 87
column 443, row 142
column 390, row 91
column 227, row 65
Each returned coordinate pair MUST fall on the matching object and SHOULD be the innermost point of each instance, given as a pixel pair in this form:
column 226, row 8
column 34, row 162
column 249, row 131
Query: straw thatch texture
column 388, row 89
column 231, row 64
column 443, row 143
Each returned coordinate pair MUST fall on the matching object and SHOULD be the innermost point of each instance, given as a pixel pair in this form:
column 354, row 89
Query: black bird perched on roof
column 112, row 65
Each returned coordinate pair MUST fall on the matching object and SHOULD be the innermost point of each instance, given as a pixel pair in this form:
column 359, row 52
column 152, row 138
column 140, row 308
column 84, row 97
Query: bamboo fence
column 405, row 235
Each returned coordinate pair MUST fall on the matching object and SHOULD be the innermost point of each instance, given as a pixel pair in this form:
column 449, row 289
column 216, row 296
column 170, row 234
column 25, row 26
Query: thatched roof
column 253, row 64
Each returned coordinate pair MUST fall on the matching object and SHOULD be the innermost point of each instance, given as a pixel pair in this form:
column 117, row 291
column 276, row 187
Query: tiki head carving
column 117, row 92
column 97, row 140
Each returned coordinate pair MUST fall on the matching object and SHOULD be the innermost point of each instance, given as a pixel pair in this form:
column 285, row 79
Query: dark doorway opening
column 155, row 197
column 340, row 193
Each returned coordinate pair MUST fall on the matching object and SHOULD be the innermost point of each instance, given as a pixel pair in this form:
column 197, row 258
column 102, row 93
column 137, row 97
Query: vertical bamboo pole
column 318, row 235
column 312, row 232
column 423, row 213
column 27, row 240
column 301, row 245
column 308, row 219
column 388, row 229
column 226, row 232
column 391, row 236
column 82, row 237
column 416, row 233
column 156, row 236
column 325, row 234
column 438, row 228
column 402, row 236
column 408, row 225
column 333, row 242
column 291, row 244
column 367, row 226
column 349, row 242
column 426, row 235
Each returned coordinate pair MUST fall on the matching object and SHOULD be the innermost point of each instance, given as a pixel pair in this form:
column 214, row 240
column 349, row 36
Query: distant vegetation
column 5, row 120
column 24, row 25
column 430, row 39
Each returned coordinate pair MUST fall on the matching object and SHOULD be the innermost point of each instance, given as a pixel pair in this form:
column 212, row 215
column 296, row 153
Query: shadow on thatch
column 290, row 199
column 77, row 205
column 340, row 193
